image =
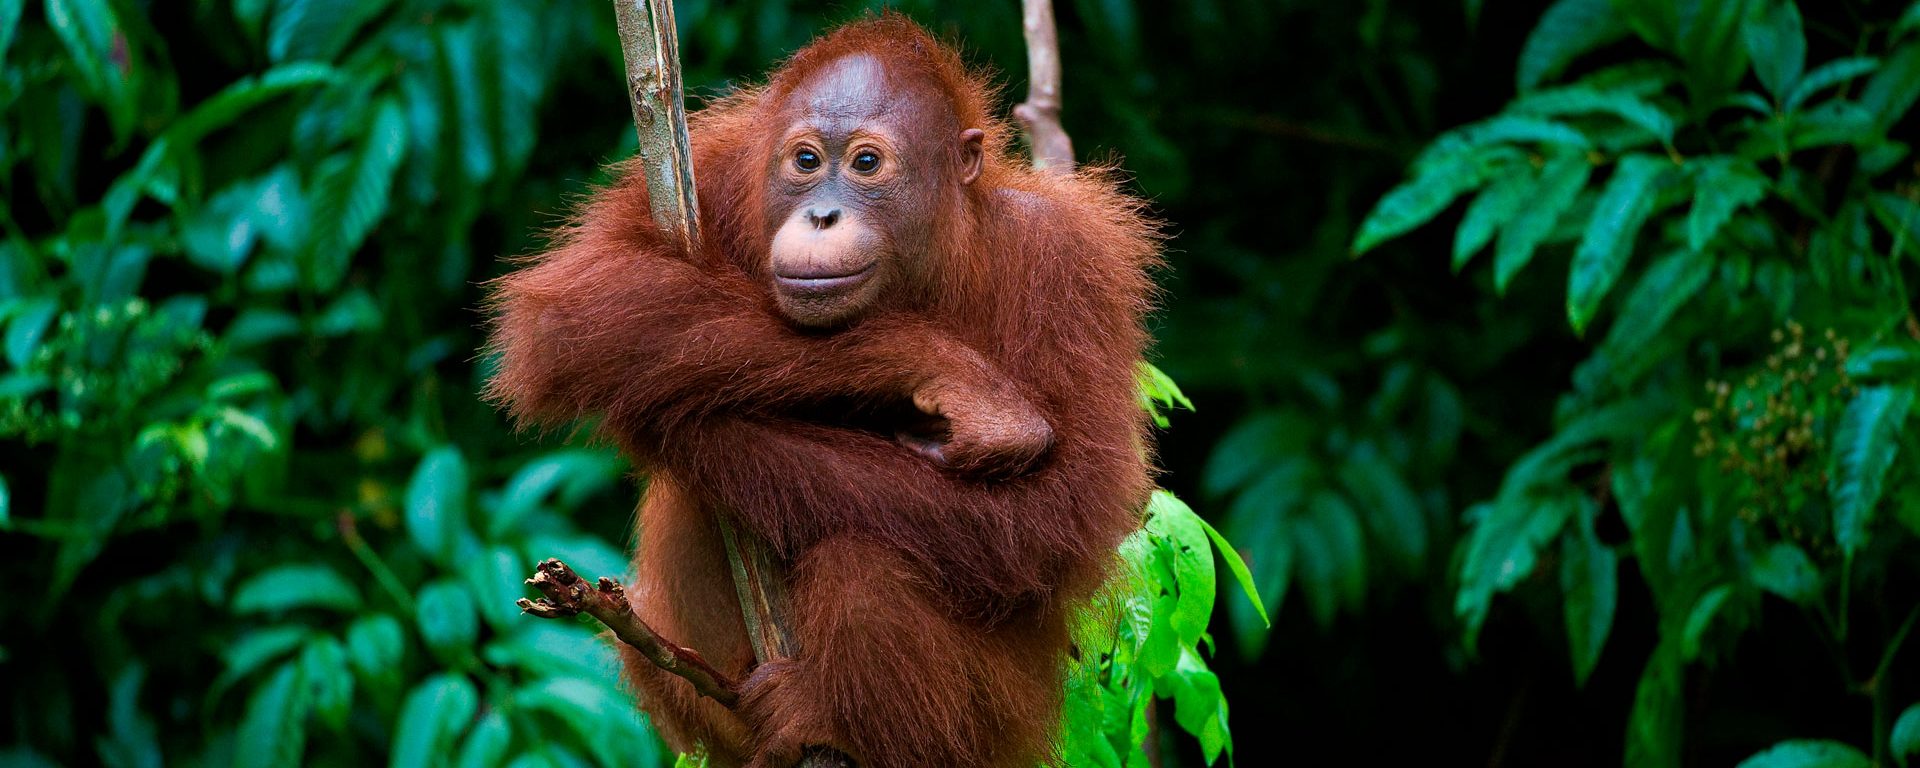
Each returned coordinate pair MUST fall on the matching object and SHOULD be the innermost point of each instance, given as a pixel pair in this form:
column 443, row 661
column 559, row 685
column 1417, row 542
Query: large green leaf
column 1829, row 75
column 1560, row 184
column 432, row 719
column 1669, row 284
column 1654, row 725
column 1181, row 531
column 437, row 502
column 317, row 29
column 1622, row 208
column 1568, row 30
column 10, row 11
column 1863, row 451
column 1808, row 753
column 1496, row 205
column 1778, row 44
column 1711, row 45
column 97, row 47
column 1892, row 90
column 1418, row 200
column 296, row 585
column 1393, row 513
column 1904, row 741
column 447, row 620
column 1502, row 548
column 273, row 731
column 1785, row 570
column 1722, row 186
column 1589, row 577
column 350, row 193
column 1590, row 100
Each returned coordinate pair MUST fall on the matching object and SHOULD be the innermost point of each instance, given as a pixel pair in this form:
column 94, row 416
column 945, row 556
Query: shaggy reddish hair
column 930, row 608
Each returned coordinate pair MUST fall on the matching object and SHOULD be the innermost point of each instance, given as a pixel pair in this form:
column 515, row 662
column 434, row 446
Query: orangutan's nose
column 823, row 219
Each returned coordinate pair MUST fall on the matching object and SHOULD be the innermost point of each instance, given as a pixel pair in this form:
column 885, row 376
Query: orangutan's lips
column 815, row 283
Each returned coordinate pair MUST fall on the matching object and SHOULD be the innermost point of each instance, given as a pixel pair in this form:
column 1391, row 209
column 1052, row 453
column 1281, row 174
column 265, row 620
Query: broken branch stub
column 569, row 595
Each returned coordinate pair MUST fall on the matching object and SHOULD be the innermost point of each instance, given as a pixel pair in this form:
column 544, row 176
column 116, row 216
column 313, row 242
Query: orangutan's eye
column 806, row 160
column 867, row 161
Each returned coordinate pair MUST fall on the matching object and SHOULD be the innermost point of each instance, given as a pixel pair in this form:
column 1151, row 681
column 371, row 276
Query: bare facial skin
column 853, row 184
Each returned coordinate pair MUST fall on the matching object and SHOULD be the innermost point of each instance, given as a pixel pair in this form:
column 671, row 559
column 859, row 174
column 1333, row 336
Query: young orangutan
column 873, row 259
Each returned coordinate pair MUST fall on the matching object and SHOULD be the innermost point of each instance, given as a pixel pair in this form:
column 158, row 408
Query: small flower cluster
column 1768, row 429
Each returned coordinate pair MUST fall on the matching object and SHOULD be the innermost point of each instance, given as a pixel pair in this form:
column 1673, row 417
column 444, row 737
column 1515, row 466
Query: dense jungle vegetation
column 1552, row 365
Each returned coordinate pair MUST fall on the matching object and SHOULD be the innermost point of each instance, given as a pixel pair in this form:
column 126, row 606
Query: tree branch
column 568, row 595
column 651, row 49
column 1039, row 115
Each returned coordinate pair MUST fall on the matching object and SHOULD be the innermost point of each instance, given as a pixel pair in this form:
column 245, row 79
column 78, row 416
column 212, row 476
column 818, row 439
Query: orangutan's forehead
column 855, row 90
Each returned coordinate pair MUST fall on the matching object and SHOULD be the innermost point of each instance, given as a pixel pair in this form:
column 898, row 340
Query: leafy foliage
column 1758, row 210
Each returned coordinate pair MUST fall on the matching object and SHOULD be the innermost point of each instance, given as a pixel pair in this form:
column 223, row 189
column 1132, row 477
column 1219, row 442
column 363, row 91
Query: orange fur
column 930, row 607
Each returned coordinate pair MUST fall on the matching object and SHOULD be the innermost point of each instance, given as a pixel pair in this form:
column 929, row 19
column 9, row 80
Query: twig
column 568, row 595
column 1039, row 115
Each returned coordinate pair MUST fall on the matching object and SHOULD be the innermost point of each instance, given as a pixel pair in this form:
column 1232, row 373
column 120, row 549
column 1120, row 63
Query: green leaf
column 1235, row 565
column 1496, row 205
column 329, row 683
column 1863, row 450
column 97, row 48
column 1393, row 513
column 1654, row 725
column 1808, row 753
column 1617, row 217
column 447, row 621
column 1901, row 218
column 1587, row 100
column 1909, row 21
column 1419, row 199
column 1159, row 393
column 1503, row 548
column 31, row 318
column 253, row 650
column 437, row 502
column 1568, row 30
column 600, row 716
column 1785, row 570
column 1589, row 575
column 350, row 193
column 1905, row 739
column 1710, row 44
column 377, row 646
column 567, row 475
column 431, row 720
column 1777, row 43
column 223, row 108
column 1192, row 558
column 1893, row 89
column 1670, row 283
column 486, row 746
column 296, row 585
column 10, row 11
column 1560, row 184
column 316, row 29
column 1829, row 75
column 1722, row 185
column 1701, row 618
column 1891, row 362
column 273, row 732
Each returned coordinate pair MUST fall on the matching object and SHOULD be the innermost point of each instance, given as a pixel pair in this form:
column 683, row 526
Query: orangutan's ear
column 973, row 154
